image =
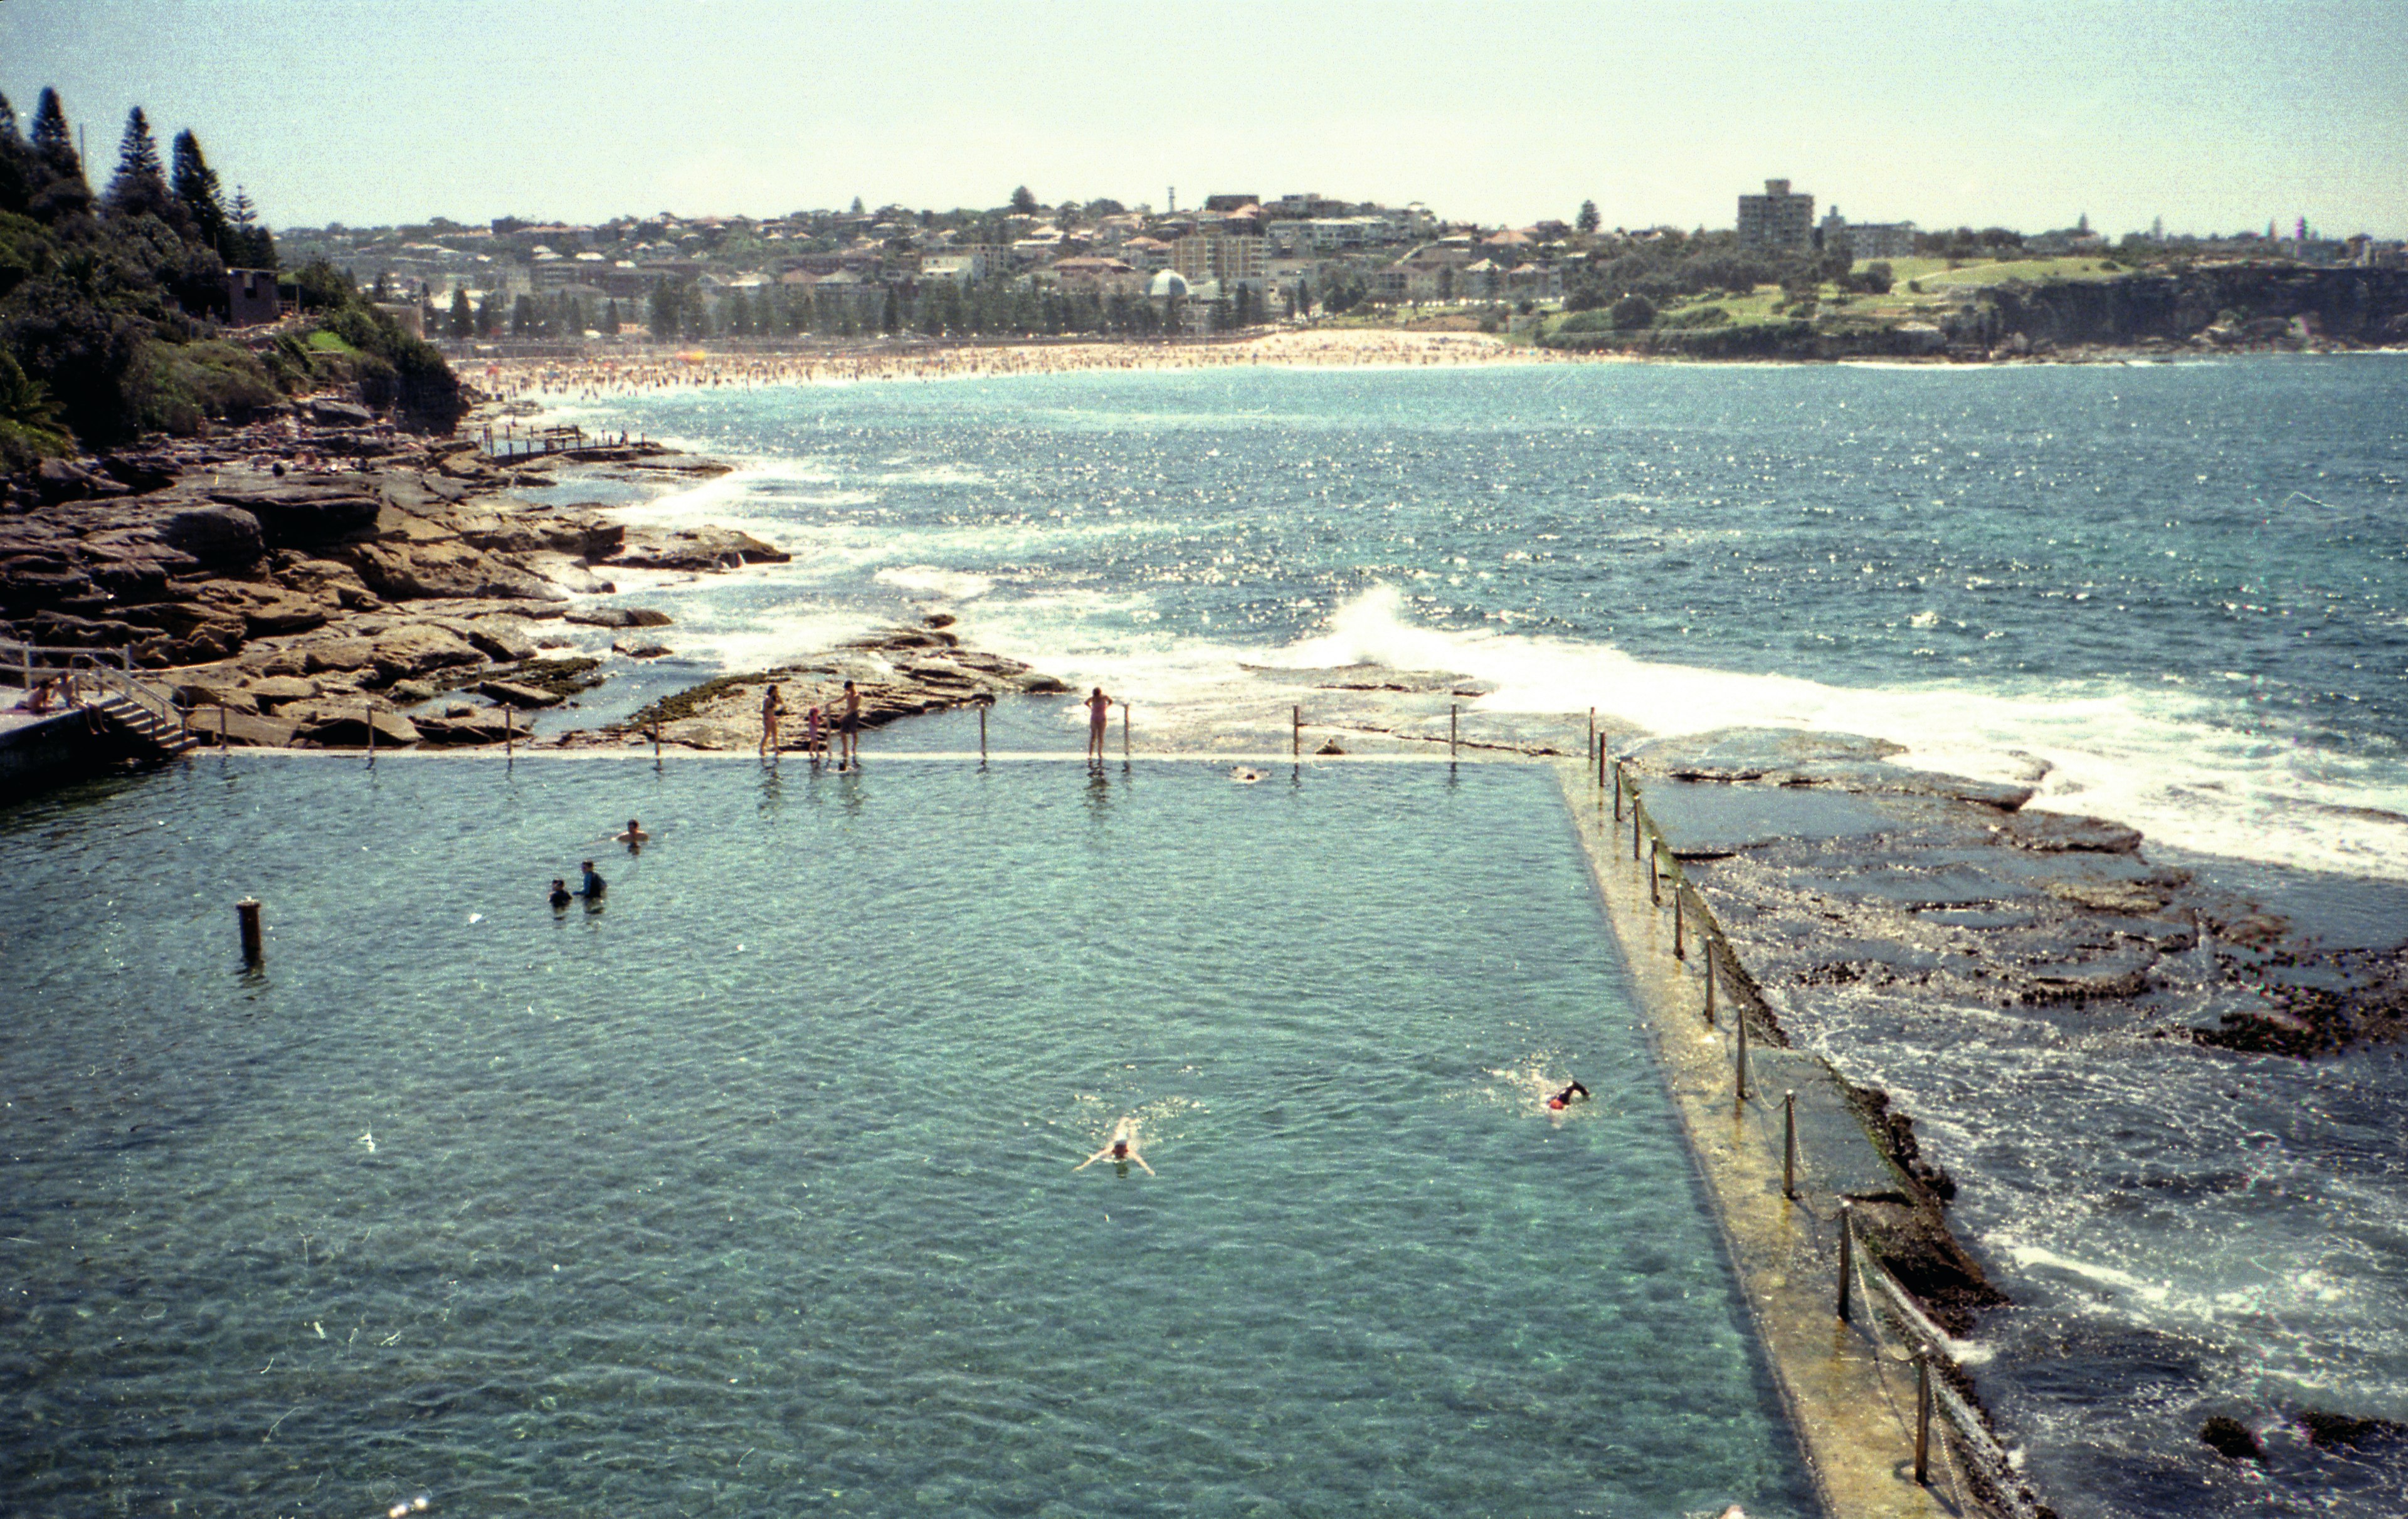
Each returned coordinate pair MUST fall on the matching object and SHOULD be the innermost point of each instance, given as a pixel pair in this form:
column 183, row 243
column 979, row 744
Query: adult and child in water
column 846, row 722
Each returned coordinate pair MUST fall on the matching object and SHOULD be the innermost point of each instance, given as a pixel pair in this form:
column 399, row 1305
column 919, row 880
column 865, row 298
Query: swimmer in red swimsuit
column 1563, row 1099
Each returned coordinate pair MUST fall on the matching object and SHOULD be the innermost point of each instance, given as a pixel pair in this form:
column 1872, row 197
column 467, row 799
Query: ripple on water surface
column 753, row 1188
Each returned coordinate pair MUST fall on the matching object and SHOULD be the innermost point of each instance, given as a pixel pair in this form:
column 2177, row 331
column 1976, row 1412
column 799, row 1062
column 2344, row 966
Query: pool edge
column 1851, row 1411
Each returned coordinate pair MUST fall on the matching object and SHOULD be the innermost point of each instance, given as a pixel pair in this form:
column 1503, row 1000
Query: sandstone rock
column 570, row 573
column 305, row 513
column 215, row 536
column 503, row 638
column 414, row 650
column 618, row 616
column 347, row 727
column 198, row 694
column 328, row 412
column 641, row 651
column 403, row 572
column 275, row 691
column 241, row 728
column 327, row 580
column 336, row 654
column 698, row 549
column 469, row 727
column 511, row 694
column 411, row 692
column 1042, row 685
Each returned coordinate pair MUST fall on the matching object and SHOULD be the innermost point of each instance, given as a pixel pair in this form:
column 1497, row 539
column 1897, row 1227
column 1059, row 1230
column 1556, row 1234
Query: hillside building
column 1777, row 218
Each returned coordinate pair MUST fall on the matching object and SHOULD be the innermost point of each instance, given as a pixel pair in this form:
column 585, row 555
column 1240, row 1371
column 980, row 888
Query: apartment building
column 1777, row 218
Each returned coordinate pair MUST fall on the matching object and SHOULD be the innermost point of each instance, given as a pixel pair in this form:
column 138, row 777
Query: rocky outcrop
column 1829, row 868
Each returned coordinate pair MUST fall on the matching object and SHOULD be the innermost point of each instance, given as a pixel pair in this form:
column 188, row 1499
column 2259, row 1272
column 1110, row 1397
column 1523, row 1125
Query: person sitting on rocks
column 561, row 894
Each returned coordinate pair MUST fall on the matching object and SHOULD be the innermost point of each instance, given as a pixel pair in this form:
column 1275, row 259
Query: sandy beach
column 673, row 368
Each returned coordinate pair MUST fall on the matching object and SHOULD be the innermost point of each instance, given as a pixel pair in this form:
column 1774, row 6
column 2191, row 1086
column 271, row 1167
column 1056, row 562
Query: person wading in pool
column 1099, row 713
column 635, row 838
column 1121, row 1151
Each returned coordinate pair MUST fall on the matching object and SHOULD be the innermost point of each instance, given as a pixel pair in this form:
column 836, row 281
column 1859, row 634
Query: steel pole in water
column 509, row 735
column 1710, row 984
column 1124, row 727
column 1453, row 711
column 1789, row 1145
column 1742, row 1022
column 370, row 712
column 246, row 915
column 1296, row 732
column 1617, row 790
column 1679, row 951
column 982, row 706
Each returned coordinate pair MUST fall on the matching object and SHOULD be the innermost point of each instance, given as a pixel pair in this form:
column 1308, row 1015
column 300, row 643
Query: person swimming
column 1121, row 1151
column 1564, row 1098
column 1245, row 775
column 634, row 837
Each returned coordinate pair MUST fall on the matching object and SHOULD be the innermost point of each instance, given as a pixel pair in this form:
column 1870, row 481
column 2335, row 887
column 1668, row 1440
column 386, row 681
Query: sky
column 2215, row 116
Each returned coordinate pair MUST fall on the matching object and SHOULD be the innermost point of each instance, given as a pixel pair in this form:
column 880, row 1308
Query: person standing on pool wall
column 849, row 728
column 772, row 706
column 1099, row 715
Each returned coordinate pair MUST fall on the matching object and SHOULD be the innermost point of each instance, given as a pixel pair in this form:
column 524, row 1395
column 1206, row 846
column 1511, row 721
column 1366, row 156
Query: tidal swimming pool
column 752, row 1192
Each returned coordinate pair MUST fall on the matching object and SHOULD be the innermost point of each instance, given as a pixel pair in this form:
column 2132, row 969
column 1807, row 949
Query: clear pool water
column 752, row 1192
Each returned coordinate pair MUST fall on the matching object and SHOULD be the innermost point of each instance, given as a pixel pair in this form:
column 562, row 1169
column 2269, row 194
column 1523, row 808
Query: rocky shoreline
column 318, row 579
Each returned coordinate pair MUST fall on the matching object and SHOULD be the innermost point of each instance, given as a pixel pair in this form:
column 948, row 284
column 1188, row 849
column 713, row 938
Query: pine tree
column 52, row 138
column 140, row 185
column 1589, row 220
column 253, row 244
column 1023, row 203
column 610, row 319
column 463, row 322
column 8, row 136
column 489, row 314
column 196, row 187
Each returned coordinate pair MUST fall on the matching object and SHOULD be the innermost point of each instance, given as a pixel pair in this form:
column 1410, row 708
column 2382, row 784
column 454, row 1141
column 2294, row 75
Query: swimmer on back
column 1564, row 1098
column 1122, row 1150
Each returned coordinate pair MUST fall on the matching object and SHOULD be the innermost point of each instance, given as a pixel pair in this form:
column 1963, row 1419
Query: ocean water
column 2184, row 587
column 2178, row 593
column 750, row 1191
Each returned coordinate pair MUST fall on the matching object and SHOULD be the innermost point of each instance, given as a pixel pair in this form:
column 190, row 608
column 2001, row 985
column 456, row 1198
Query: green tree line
column 108, row 301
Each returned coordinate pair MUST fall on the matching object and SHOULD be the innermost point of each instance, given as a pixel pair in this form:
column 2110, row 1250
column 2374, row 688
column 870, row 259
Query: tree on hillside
column 522, row 323
column 463, row 322
column 611, row 320
column 856, row 206
column 254, row 243
column 1022, row 203
column 195, row 185
column 52, row 138
column 489, row 314
column 140, row 187
column 1588, row 220
column 8, row 136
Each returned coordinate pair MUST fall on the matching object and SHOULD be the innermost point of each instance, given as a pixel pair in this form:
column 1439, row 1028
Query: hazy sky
column 2215, row 116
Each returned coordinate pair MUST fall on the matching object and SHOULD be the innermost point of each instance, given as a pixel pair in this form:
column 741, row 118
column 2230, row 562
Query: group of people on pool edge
column 1121, row 1151
column 593, row 886
column 847, row 725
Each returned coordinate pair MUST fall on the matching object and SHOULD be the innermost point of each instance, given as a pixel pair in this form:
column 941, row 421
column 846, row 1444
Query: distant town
column 1233, row 261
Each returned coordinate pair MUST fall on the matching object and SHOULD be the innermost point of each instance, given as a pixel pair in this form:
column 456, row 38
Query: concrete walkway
column 1850, row 1392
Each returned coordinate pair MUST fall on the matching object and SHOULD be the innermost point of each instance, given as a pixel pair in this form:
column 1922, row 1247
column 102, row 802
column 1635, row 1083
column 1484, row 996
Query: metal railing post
column 1847, row 1262
column 1921, row 1419
column 1453, row 729
column 1741, row 1070
column 1296, row 731
column 1789, row 1145
column 982, row 706
column 1679, row 952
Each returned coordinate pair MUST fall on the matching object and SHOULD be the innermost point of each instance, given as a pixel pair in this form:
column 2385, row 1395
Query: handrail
column 1998, row 1476
column 110, row 669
